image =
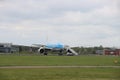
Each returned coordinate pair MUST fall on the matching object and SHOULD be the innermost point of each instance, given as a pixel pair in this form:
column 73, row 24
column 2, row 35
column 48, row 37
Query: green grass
column 59, row 60
column 61, row 74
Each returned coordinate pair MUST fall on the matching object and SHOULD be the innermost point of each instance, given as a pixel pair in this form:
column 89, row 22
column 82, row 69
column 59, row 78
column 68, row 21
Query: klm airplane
column 60, row 48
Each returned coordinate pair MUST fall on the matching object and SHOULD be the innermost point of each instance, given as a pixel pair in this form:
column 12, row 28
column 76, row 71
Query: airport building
column 100, row 52
column 5, row 47
column 111, row 51
column 11, row 48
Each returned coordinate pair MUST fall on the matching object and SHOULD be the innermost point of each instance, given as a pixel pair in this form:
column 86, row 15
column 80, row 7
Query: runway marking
column 14, row 67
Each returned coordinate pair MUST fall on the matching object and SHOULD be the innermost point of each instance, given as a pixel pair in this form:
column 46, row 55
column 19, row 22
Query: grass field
column 60, row 73
column 59, row 60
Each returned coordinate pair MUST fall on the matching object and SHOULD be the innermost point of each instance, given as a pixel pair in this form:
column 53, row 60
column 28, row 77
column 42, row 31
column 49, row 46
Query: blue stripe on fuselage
column 59, row 46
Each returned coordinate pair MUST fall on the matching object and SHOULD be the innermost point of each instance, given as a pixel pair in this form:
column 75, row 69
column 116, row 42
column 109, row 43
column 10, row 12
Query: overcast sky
column 71, row 22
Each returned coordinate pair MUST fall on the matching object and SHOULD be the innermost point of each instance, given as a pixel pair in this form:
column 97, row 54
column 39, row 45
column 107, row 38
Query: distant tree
column 87, row 50
column 100, row 47
column 82, row 50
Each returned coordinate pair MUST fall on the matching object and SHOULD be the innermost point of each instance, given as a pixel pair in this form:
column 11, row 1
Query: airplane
column 60, row 48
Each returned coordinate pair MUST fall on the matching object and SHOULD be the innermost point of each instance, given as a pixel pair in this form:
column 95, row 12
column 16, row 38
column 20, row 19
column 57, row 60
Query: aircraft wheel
column 45, row 53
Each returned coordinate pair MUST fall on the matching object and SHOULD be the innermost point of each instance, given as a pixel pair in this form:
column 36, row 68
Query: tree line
column 87, row 50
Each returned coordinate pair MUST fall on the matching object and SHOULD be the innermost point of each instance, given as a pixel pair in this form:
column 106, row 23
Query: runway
column 15, row 67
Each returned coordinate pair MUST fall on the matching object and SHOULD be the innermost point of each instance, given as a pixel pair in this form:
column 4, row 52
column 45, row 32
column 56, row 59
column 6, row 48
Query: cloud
column 77, row 23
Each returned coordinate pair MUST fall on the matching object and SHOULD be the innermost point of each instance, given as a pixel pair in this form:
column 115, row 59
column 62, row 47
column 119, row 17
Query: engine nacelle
column 41, row 50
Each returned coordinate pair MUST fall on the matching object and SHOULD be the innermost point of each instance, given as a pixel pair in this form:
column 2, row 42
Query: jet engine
column 42, row 51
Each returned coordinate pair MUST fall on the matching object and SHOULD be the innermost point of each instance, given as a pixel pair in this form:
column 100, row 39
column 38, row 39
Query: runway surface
column 14, row 67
